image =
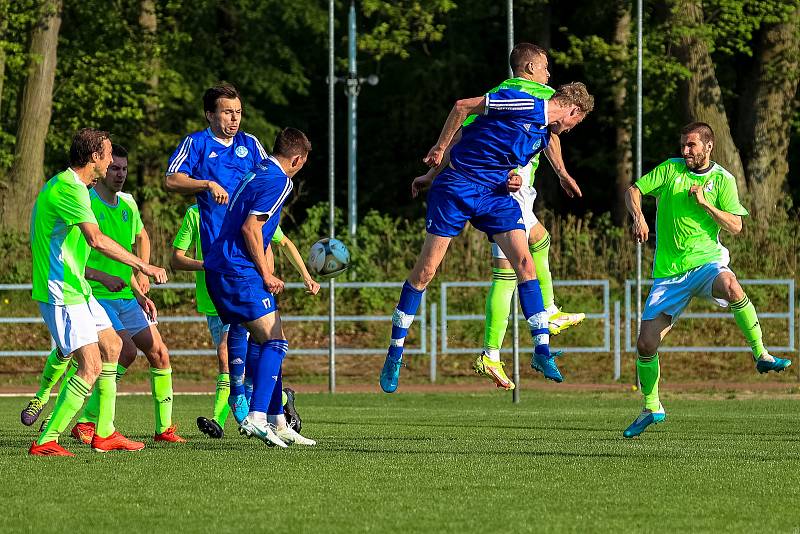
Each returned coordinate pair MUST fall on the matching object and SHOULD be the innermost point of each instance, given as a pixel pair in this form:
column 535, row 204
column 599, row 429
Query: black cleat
column 31, row 412
column 210, row 428
column 292, row 417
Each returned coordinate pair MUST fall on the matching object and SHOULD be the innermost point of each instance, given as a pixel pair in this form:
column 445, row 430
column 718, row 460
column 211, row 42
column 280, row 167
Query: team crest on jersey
column 124, row 215
column 241, row 151
column 709, row 186
column 537, row 144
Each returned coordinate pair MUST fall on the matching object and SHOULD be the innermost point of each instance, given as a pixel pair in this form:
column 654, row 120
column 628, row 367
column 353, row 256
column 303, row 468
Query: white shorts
column 126, row 314
column 525, row 198
column 670, row 296
column 216, row 328
column 75, row 325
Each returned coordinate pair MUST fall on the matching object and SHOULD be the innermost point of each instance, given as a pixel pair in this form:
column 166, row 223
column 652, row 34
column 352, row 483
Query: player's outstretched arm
column 254, row 241
column 179, row 182
column 111, row 282
column 110, row 248
column 289, row 248
column 633, row 200
column 553, row 153
column 181, row 262
column 143, row 251
column 461, row 110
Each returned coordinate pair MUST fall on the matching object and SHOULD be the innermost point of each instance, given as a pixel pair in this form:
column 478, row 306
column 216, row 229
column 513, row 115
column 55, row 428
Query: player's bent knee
column 158, row 356
column 647, row 346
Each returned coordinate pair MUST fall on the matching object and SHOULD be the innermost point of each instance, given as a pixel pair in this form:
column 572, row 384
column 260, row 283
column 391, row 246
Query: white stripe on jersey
column 183, row 153
column 270, row 212
column 261, row 150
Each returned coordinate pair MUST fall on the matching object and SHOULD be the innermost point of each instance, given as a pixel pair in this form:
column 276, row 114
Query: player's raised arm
column 254, row 242
column 553, row 153
column 461, row 110
column 289, row 248
column 633, row 201
column 108, row 247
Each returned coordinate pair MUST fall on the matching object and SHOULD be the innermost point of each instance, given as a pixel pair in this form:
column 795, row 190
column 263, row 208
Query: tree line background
column 139, row 67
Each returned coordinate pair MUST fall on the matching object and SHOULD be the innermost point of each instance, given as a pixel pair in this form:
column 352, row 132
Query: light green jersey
column 539, row 90
column 189, row 237
column 122, row 223
column 59, row 249
column 687, row 236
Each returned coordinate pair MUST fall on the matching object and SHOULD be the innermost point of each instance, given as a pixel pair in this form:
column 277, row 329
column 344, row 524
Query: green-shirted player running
column 188, row 237
column 63, row 230
column 696, row 198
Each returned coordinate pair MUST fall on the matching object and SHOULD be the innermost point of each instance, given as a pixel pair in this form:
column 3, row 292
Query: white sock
column 766, row 357
column 493, row 354
column 279, row 421
column 552, row 310
column 257, row 417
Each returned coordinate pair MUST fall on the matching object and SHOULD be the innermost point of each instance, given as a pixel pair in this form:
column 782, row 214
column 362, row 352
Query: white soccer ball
column 328, row 258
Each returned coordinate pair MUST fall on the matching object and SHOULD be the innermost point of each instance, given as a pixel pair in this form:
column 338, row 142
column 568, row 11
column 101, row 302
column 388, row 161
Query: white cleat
column 288, row 435
column 263, row 431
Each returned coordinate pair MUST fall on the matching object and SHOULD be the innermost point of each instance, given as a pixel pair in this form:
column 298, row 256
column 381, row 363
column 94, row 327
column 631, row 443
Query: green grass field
column 432, row 463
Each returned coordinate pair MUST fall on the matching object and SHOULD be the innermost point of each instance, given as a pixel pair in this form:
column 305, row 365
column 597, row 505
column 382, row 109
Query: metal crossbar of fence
column 788, row 315
column 422, row 322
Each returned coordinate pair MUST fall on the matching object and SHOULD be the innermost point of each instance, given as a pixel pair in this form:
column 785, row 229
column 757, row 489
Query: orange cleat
column 169, row 435
column 83, row 432
column 51, row 448
column 115, row 442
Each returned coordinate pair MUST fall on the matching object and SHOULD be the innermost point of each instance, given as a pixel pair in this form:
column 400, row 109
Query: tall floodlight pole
column 638, row 158
column 515, row 299
column 331, row 214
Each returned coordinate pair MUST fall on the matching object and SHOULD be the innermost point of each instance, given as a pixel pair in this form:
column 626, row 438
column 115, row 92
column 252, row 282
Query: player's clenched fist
column 434, row 156
column 218, row 192
column 640, row 229
column 156, row 273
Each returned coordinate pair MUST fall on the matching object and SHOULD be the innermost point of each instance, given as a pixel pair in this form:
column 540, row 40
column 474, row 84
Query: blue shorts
column 453, row 200
column 126, row 314
column 670, row 296
column 239, row 299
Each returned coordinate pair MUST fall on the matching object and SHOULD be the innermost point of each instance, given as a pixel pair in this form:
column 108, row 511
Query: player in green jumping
column 696, row 198
column 188, row 237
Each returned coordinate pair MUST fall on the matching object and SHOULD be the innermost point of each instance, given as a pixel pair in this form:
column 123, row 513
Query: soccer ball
column 328, row 258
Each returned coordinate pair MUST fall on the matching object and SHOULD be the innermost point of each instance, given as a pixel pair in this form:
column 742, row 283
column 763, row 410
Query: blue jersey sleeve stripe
column 180, row 157
column 246, row 180
column 285, row 193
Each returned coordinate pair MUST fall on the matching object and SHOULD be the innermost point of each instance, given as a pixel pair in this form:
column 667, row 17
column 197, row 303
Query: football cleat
column 263, row 431
column 483, row 365
column 31, row 412
column 645, row 419
column 290, row 437
column 546, row 364
column 289, row 410
column 83, row 432
column 210, row 427
column 51, row 448
column 115, row 442
column 169, row 435
column 560, row 321
column 764, row 365
column 390, row 374
column 239, row 407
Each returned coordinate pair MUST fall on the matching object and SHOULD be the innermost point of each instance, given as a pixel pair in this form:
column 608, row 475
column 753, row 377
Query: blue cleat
column 390, row 374
column 546, row 364
column 645, row 419
column 239, row 407
column 777, row 365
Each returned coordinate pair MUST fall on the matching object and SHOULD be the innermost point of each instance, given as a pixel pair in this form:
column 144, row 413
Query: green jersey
column 59, row 249
column 122, row 223
column 539, row 90
column 687, row 236
column 189, row 237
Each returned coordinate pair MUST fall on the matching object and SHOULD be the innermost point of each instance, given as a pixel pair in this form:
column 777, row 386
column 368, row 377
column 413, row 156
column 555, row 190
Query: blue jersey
column 262, row 192
column 203, row 156
column 512, row 131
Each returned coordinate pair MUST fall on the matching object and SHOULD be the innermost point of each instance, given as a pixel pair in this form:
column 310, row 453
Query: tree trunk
column 701, row 93
column 624, row 155
column 766, row 115
column 3, row 29
column 27, row 171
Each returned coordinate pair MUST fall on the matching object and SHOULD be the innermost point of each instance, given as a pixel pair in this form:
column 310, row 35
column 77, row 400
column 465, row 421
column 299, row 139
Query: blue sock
column 530, row 298
column 269, row 367
column 250, row 370
column 237, row 357
column 403, row 316
column 276, row 402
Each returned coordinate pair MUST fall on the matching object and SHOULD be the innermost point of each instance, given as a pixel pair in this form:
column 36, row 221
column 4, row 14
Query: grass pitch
column 432, row 463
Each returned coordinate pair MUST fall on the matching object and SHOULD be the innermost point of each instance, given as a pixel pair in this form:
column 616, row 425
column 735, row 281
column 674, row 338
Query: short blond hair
column 576, row 94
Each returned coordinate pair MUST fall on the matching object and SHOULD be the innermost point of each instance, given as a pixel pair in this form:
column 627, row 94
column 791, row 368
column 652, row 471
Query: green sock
column 69, row 401
column 498, row 306
column 121, row 372
column 161, row 387
column 106, row 387
column 54, row 367
column 649, row 373
column 221, row 408
column 72, row 368
column 540, row 251
column 745, row 314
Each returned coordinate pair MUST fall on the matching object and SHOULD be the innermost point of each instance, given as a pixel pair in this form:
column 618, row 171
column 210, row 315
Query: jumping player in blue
column 473, row 185
column 242, row 285
column 210, row 164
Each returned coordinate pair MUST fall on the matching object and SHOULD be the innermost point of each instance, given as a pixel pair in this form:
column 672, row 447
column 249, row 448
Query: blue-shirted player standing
column 210, row 164
column 242, row 285
column 471, row 185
